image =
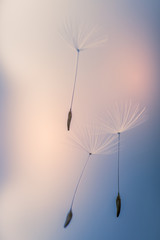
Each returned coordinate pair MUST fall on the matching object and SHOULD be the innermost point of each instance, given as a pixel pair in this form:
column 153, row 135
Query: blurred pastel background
column 39, row 167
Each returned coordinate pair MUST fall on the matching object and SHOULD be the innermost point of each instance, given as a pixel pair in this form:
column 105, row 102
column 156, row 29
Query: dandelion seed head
column 82, row 36
column 122, row 116
column 92, row 139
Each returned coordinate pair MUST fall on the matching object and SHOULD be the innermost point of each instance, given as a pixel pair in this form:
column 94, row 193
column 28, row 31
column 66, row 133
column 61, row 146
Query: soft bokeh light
column 41, row 165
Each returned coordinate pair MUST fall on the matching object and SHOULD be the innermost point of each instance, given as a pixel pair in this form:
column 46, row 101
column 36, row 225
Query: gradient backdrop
column 39, row 167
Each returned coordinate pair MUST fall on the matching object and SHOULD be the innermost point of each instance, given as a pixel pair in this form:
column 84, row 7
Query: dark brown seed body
column 118, row 204
column 69, row 119
column 68, row 218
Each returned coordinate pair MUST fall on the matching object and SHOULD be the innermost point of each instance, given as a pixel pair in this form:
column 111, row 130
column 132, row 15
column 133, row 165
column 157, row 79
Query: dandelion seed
column 81, row 38
column 92, row 141
column 122, row 116
column 68, row 218
column 69, row 119
column 118, row 204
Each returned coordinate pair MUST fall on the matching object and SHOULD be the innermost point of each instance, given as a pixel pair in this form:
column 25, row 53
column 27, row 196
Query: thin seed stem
column 75, row 79
column 79, row 180
column 118, row 157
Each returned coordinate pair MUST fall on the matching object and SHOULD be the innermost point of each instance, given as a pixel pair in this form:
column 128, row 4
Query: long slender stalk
column 118, row 157
column 70, row 213
column 118, row 199
column 80, row 180
column 75, row 78
column 69, row 119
